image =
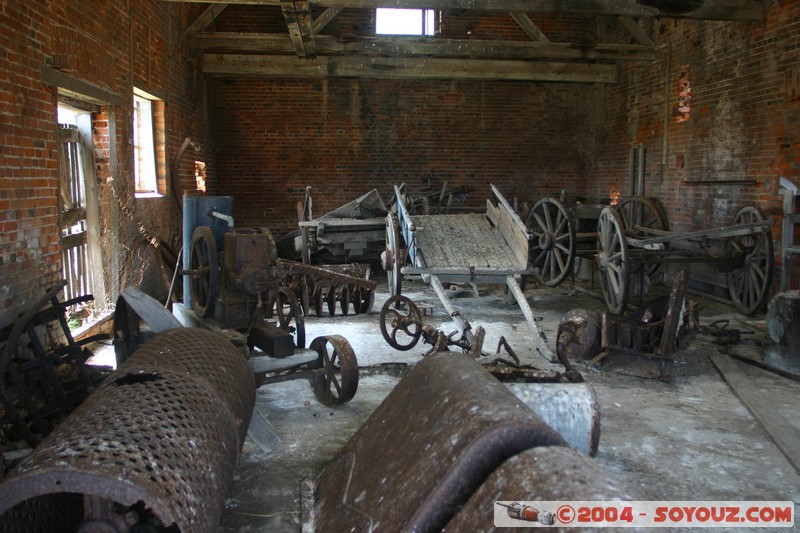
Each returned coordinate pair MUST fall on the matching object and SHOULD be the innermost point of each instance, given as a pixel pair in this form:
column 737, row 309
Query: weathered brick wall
column 113, row 45
column 743, row 122
column 344, row 137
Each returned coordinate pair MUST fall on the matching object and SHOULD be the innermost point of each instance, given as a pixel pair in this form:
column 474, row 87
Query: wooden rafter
column 324, row 19
column 636, row 31
column 327, row 45
column 298, row 20
column 206, row 18
column 530, row 28
column 753, row 10
column 408, row 68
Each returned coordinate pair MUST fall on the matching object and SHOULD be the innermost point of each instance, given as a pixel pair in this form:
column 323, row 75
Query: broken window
column 200, row 175
column 390, row 21
column 148, row 141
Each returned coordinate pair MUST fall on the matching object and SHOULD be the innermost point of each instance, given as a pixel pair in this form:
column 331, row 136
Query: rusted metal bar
column 159, row 439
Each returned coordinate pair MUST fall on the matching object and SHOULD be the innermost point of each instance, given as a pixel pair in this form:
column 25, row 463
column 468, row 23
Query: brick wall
column 743, row 123
column 345, row 137
column 112, row 45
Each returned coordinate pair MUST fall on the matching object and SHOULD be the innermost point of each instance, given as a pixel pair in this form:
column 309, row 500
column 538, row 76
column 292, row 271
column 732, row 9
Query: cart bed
column 463, row 241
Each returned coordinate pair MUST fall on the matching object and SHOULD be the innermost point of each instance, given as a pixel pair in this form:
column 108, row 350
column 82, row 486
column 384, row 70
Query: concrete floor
column 691, row 439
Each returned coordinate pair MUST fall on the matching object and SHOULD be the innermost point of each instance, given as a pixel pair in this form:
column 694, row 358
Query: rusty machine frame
column 490, row 247
column 247, row 289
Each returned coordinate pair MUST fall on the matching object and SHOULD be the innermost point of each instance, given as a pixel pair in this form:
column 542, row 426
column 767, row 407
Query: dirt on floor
column 688, row 439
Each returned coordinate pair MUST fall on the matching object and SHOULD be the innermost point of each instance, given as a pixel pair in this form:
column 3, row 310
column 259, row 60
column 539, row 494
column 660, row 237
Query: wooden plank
column 75, row 88
column 517, row 241
column 461, row 242
column 753, row 10
column 636, row 31
column 324, row 19
column 329, row 45
column 298, row 21
column 586, row 7
column 778, row 419
column 206, row 18
column 530, row 28
column 408, row 68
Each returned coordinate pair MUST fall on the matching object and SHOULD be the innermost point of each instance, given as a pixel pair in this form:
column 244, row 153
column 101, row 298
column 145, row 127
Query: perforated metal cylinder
column 155, row 444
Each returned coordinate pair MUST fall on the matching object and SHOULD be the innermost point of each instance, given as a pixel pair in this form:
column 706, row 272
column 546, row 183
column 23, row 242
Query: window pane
column 398, row 21
column 144, row 146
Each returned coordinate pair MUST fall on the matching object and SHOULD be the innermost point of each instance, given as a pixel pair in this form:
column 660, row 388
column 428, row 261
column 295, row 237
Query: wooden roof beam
column 282, row 67
column 328, row 45
column 206, row 18
column 530, row 28
column 752, row 10
column 298, row 20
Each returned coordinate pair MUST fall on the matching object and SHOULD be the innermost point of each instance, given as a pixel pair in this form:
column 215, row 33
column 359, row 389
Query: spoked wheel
column 338, row 382
column 643, row 212
column 749, row 285
column 290, row 316
column 204, row 271
column 613, row 260
column 553, row 247
column 401, row 331
column 392, row 258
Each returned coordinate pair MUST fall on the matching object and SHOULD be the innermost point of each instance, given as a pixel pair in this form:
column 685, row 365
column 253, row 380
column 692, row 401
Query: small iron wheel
column 204, row 271
column 749, row 285
column 406, row 329
column 338, row 382
column 290, row 316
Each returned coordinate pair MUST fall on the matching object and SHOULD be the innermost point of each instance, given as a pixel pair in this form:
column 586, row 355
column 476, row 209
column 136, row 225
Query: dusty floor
column 691, row 439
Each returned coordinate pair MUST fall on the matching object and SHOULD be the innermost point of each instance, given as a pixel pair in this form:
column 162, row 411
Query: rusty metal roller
column 152, row 449
column 443, row 429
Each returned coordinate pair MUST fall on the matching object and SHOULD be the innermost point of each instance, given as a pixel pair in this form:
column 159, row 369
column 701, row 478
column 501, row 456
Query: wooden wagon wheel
column 553, row 247
column 290, row 315
column 613, row 260
column 647, row 213
column 749, row 285
column 392, row 257
column 203, row 271
column 338, row 382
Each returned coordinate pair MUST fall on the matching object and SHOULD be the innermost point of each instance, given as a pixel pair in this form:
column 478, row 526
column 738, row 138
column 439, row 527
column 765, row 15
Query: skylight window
column 389, row 21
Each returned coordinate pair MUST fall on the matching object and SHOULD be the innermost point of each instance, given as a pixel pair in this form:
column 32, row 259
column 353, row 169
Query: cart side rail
column 406, row 225
column 510, row 225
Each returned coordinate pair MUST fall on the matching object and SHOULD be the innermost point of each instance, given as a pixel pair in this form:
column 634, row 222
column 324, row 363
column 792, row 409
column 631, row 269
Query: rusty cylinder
column 153, row 447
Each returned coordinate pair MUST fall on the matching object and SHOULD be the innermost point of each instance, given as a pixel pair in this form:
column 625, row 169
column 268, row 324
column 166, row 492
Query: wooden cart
column 628, row 245
column 489, row 247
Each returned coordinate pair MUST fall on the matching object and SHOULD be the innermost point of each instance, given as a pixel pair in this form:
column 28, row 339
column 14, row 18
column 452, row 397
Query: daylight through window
column 144, row 142
column 390, row 21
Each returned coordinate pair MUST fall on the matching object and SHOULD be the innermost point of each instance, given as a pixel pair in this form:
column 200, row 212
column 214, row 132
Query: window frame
column 148, row 144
